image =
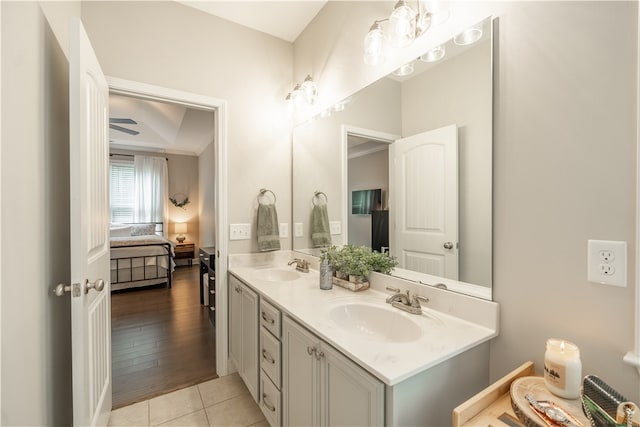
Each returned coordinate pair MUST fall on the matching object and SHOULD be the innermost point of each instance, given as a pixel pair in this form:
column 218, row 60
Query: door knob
column 448, row 245
column 62, row 289
column 98, row 285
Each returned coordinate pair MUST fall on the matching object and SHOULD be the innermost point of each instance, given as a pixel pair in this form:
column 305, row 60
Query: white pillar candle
column 562, row 368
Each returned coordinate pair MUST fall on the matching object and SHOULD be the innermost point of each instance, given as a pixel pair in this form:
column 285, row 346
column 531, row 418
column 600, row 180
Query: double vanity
column 335, row 357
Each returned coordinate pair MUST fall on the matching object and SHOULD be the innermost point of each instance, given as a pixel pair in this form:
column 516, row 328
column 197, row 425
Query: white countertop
column 442, row 336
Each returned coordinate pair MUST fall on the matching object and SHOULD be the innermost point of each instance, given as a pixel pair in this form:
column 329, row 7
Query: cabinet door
column 350, row 396
column 235, row 321
column 300, row 386
column 249, row 355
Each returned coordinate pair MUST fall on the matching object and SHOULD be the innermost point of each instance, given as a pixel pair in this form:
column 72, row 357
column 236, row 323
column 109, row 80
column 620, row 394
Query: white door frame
column 219, row 106
column 347, row 130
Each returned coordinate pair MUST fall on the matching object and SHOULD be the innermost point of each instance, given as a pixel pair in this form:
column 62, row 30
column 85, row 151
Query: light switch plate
column 298, row 229
column 607, row 262
column 284, row 230
column 335, row 227
column 239, row 231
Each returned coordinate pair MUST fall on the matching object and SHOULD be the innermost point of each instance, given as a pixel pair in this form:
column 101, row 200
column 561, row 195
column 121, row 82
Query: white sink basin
column 277, row 275
column 375, row 322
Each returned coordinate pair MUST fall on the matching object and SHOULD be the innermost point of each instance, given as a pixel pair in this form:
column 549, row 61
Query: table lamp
column 180, row 228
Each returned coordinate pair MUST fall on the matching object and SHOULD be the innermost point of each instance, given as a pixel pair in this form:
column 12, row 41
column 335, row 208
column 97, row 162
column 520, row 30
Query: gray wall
column 36, row 343
column 171, row 45
column 564, row 117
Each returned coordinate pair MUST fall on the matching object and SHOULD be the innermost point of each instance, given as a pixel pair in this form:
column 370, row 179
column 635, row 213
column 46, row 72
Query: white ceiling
column 166, row 127
column 282, row 19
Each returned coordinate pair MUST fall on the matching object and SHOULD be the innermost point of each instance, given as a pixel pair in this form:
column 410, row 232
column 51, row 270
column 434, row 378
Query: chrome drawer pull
column 311, row 350
column 319, row 354
column 266, row 356
column 266, row 319
column 266, row 403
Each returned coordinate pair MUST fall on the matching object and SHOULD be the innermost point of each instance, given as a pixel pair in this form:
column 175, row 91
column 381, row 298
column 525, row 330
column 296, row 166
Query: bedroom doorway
column 189, row 317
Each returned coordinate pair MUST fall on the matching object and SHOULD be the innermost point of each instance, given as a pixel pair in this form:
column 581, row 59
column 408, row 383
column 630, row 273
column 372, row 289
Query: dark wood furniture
column 185, row 250
column 208, row 267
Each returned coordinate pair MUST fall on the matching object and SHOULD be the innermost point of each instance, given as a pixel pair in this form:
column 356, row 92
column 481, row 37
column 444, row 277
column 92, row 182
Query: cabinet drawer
column 184, row 249
column 270, row 356
column 270, row 318
column 270, row 401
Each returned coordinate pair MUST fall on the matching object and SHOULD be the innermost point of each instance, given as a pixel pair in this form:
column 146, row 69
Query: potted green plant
column 382, row 262
column 356, row 263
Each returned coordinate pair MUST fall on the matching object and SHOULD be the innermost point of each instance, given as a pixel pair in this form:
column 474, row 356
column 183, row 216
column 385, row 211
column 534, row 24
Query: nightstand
column 185, row 250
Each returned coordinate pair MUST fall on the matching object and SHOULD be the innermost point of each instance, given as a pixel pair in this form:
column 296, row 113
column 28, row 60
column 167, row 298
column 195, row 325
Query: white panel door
column 424, row 172
column 89, row 214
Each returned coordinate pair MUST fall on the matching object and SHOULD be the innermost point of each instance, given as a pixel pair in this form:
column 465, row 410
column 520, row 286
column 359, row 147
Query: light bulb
column 469, row 36
column 435, row 54
column 374, row 45
column 402, row 25
column 298, row 98
column 405, row 70
column 309, row 90
column 439, row 10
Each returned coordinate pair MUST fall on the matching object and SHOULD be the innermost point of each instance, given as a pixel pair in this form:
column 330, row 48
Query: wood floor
column 162, row 339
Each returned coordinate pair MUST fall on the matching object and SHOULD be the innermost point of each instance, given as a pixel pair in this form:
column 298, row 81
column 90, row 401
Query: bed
column 140, row 256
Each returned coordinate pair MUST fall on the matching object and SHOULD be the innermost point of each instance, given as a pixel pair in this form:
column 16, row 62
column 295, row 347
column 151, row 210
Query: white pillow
column 143, row 230
column 120, row 230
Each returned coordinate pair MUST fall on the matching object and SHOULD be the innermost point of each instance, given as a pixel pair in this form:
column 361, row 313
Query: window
column 122, row 191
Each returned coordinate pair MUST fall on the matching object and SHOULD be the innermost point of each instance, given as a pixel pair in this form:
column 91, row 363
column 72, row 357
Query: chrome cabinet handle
column 448, row 245
column 267, row 319
column 237, row 288
column 266, row 403
column 98, row 285
column 319, row 354
column 266, row 356
column 311, row 350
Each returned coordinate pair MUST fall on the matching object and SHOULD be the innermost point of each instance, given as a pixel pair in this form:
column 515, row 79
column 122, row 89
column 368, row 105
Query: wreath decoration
column 179, row 200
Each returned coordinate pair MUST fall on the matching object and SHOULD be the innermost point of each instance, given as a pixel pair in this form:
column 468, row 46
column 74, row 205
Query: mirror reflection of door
column 368, row 191
column 424, row 183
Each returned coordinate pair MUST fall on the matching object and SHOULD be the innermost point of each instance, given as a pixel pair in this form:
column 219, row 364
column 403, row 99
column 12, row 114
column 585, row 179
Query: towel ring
column 263, row 191
column 316, row 195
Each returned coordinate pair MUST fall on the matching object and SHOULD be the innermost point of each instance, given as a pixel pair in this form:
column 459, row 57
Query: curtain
column 151, row 190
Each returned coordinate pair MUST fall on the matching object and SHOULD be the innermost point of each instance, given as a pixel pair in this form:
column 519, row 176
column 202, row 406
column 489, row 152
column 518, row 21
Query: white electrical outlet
column 335, row 227
column 607, row 262
column 284, row 230
column 239, row 231
column 297, row 229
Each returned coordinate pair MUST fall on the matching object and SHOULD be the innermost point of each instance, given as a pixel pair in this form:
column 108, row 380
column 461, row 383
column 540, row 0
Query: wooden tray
column 535, row 385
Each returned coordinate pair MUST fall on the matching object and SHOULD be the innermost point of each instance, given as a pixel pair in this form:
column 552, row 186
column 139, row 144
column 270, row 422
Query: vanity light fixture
column 404, row 26
column 303, row 95
column 434, row 55
column 469, row 36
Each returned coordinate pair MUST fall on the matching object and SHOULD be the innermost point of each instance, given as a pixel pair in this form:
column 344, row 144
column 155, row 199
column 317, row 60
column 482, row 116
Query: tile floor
column 220, row 402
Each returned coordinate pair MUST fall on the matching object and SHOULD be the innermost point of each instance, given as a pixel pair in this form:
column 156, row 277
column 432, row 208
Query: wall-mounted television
column 363, row 202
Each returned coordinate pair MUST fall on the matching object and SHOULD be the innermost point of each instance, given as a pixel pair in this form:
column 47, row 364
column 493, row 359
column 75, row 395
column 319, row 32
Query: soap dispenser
column 326, row 274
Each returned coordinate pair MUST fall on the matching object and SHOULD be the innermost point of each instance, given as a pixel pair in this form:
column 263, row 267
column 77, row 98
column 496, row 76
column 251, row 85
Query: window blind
column 122, row 191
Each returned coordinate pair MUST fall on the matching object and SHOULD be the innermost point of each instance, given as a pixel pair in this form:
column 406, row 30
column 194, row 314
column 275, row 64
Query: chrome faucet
column 405, row 302
column 301, row 264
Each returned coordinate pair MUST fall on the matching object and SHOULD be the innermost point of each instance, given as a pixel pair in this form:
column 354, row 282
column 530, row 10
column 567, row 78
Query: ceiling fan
column 113, row 126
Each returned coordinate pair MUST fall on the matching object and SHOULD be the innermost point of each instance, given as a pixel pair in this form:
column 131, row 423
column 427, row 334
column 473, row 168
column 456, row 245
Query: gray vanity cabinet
column 243, row 333
column 322, row 387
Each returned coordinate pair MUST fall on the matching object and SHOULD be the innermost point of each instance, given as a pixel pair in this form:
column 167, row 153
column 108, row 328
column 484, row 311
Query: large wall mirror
column 405, row 166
